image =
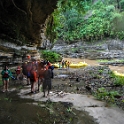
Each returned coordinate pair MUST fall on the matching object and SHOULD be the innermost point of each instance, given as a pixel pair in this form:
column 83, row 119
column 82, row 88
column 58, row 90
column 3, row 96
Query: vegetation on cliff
column 89, row 20
column 51, row 56
column 23, row 22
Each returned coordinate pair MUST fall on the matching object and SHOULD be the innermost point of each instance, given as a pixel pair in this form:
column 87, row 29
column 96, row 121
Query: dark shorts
column 5, row 79
column 24, row 72
column 47, row 83
column 28, row 74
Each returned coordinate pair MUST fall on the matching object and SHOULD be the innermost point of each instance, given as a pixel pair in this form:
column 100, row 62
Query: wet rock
column 106, row 50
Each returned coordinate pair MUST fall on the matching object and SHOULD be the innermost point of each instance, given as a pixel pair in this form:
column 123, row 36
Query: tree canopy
column 88, row 20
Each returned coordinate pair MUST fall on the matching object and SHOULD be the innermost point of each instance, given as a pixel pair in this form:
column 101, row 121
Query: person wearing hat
column 28, row 57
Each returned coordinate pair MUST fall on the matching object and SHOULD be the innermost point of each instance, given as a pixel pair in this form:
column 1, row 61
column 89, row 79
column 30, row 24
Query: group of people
column 64, row 64
column 39, row 72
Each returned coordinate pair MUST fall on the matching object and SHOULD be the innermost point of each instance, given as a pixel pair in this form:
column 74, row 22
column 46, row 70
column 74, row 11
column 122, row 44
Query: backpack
column 51, row 67
column 5, row 75
column 29, row 73
column 48, row 74
column 18, row 71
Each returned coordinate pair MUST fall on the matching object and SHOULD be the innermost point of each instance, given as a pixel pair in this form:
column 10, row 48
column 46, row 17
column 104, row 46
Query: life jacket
column 51, row 67
column 18, row 70
column 6, row 75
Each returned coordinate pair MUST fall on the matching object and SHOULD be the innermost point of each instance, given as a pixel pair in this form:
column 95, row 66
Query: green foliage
column 71, row 111
column 106, row 61
column 118, row 79
column 51, row 56
column 103, row 94
column 122, row 4
column 101, row 90
column 88, row 20
column 100, row 71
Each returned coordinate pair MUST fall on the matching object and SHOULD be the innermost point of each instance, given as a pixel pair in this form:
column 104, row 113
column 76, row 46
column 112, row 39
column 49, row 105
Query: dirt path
column 97, row 109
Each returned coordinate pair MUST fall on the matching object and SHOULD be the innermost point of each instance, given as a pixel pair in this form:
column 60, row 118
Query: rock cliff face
column 22, row 28
column 23, row 21
column 107, row 49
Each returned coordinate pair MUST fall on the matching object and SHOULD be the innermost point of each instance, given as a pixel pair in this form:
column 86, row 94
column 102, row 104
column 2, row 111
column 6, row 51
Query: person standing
column 50, row 66
column 47, row 81
column 41, row 69
column 28, row 70
column 63, row 63
column 6, row 74
column 24, row 69
column 68, row 64
column 18, row 72
column 33, row 78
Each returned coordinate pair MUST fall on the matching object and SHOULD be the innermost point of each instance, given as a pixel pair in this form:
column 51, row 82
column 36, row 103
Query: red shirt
column 34, row 73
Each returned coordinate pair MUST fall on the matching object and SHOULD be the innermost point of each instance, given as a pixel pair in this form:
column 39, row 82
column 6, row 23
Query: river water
column 119, row 69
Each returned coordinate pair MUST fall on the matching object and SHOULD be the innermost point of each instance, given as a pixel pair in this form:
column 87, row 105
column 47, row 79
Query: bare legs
column 32, row 87
column 5, row 85
column 44, row 92
column 28, row 81
column 38, row 84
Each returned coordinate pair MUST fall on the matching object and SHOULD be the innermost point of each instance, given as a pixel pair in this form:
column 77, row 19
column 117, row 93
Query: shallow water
column 95, row 63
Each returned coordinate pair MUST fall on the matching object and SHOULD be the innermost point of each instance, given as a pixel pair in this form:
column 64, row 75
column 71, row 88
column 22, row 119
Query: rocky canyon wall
column 22, row 26
column 22, row 21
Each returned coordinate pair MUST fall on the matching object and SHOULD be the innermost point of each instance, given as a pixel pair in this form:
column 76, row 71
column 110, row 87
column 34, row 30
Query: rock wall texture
column 22, row 21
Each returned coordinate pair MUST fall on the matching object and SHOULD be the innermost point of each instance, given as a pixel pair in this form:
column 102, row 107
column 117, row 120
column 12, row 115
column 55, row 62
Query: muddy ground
column 25, row 109
column 69, row 102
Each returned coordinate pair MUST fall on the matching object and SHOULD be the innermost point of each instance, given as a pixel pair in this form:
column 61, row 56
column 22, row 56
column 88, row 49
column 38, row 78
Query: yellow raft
column 78, row 65
column 118, row 74
column 72, row 65
column 56, row 65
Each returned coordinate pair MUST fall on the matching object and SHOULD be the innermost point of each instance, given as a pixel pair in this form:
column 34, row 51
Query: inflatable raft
column 118, row 74
column 72, row 65
column 78, row 65
column 56, row 65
